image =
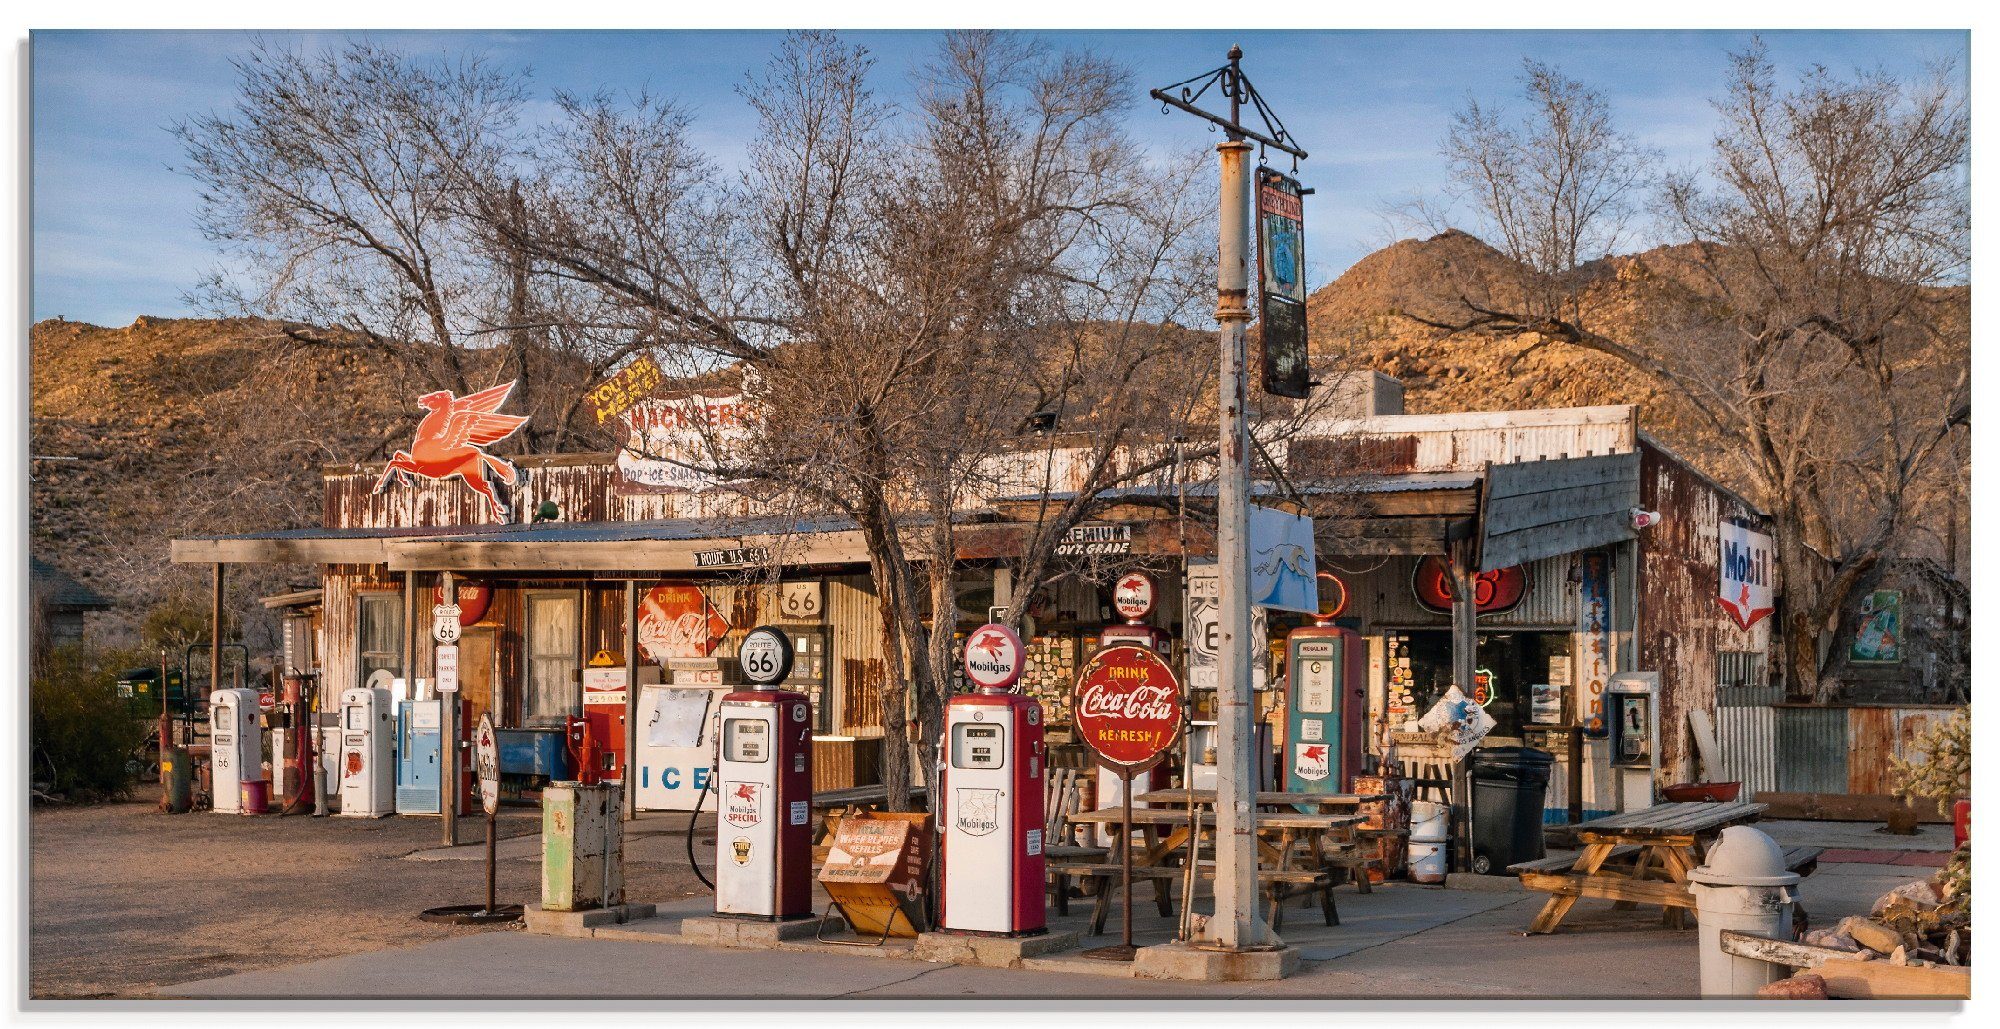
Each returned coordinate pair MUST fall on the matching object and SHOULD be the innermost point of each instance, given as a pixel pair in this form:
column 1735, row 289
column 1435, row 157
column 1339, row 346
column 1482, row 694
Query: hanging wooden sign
column 1281, row 268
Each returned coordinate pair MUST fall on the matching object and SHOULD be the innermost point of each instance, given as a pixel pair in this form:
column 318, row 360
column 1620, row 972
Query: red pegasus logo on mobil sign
column 1127, row 705
column 993, row 656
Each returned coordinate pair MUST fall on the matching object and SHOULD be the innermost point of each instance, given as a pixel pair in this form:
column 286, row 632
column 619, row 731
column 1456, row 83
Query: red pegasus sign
column 448, row 443
column 1127, row 706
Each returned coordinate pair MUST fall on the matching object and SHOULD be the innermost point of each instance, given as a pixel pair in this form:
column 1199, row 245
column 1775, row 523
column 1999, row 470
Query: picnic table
column 1639, row 857
column 1178, row 797
column 1295, row 856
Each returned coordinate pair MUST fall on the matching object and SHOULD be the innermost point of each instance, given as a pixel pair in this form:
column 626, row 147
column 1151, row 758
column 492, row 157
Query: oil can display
column 763, row 840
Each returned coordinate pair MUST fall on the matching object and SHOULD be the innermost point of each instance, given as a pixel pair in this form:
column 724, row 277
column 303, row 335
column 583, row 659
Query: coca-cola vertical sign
column 1127, row 707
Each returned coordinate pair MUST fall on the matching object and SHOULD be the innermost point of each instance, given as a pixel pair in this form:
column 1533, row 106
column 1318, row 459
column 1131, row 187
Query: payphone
column 1326, row 672
column 367, row 753
column 763, row 840
column 991, row 786
column 1632, row 704
column 236, row 747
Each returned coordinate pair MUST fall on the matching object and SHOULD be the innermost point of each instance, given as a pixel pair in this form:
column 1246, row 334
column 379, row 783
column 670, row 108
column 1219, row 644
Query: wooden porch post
column 1464, row 664
column 214, row 638
column 631, row 695
column 448, row 730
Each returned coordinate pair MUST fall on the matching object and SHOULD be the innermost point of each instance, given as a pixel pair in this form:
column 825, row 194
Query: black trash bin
column 1508, row 785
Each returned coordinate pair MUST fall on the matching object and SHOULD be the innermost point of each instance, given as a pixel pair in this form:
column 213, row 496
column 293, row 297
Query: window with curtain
column 552, row 659
column 379, row 632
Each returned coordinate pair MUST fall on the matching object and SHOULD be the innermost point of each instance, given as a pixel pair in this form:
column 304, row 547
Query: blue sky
column 114, row 233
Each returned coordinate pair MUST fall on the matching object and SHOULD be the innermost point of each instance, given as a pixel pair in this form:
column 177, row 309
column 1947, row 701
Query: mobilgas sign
column 1746, row 574
column 993, row 657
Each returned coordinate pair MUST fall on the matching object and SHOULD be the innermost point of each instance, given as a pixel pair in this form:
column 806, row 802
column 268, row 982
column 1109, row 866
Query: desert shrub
column 82, row 733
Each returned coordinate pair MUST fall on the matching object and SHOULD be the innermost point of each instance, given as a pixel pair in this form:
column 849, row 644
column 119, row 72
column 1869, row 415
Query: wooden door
column 478, row 675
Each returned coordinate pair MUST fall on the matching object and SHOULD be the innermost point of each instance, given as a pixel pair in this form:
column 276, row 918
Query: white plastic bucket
column 1427, row 861
column 1430, row 821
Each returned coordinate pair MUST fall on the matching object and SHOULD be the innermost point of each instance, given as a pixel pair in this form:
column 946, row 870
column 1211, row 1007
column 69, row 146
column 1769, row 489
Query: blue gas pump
column 419, row 756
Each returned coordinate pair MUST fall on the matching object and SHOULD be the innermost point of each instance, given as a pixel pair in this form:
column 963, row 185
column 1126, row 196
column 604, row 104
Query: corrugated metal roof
column 58, row 589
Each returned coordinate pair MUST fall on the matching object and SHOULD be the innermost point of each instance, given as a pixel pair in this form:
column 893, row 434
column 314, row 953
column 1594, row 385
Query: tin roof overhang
column 662, row 544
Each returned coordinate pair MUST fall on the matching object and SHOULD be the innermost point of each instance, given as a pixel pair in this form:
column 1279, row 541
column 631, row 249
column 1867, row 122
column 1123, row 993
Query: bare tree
column 1813, row 316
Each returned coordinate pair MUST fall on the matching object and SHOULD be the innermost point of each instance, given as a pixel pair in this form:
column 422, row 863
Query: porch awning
column 674, row 544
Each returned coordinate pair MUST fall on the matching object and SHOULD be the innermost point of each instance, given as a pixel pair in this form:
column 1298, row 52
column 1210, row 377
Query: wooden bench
column 1627, row 885
column 1850, row 978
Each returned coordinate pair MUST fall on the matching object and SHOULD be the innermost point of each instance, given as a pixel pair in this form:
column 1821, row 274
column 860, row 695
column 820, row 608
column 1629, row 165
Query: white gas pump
column 367, row 753
column 763, row 832
column 991, row 792
column 236, row 746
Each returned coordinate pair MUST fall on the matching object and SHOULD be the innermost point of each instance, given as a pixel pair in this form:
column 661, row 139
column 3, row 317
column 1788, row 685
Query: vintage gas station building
column 593, row 585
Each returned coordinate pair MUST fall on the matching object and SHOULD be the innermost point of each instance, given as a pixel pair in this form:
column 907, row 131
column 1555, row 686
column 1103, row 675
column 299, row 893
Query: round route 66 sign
column 766, row 656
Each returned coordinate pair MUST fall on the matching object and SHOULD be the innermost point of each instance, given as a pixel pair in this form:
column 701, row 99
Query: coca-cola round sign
column 1133, row 595
column 993, row 657
column 1127, row 706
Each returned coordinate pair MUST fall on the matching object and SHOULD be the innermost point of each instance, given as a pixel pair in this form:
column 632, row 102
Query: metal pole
column 492, row 835
column 1236, row 924
column 1125, row 861
column 449, row 784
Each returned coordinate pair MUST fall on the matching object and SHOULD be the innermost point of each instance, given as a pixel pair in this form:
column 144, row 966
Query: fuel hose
column 693, row 817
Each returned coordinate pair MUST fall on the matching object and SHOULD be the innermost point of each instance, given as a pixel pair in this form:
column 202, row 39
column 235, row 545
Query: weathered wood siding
column 1681, row 623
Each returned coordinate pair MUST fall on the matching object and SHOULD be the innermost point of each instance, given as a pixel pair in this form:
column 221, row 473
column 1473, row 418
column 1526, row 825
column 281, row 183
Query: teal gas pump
column 1326, row 675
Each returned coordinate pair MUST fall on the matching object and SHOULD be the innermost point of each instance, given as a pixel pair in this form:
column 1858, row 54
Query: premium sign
column 1127, row 707
column 1281, row 267
column 994, row 657
column 1087, row 540
column 678, row 443
column 1746, row 574
column 1492, row 592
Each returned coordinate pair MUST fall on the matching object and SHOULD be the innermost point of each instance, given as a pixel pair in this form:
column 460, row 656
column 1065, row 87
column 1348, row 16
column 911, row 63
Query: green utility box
column 583, row 846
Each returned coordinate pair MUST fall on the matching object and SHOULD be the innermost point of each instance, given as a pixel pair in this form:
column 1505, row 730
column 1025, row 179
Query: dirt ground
column 124, row 899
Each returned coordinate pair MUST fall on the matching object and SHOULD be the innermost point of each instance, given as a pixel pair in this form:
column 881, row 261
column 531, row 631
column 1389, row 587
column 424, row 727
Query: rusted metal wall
column 1847, row 750
column 580, row 484
column 858, row 666
column 1746, row 735
column 341, row 584
column 1681, row 624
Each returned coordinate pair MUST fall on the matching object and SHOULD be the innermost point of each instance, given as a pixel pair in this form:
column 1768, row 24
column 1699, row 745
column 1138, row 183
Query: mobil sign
column 1747, row 574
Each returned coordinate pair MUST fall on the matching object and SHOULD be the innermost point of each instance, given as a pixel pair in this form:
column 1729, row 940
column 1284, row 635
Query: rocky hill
column 174, row 426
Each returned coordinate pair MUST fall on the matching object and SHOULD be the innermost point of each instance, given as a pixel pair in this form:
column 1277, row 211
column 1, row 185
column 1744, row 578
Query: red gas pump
column 991, row 787
column 763, row 830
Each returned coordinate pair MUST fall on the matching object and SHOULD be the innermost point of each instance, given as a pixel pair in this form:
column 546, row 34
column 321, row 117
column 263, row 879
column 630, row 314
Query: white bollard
column 1743, row 886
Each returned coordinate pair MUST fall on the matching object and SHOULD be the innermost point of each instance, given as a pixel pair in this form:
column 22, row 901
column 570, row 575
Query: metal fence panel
column 1812, row 749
